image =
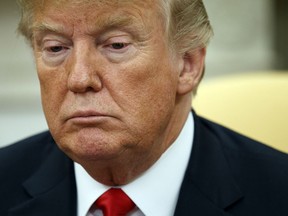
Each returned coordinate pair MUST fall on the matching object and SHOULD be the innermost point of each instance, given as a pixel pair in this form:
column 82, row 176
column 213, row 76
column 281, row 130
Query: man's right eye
column 54, row 53
column 56, row 49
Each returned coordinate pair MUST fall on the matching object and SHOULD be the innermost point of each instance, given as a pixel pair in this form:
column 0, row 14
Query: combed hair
column 188, row 25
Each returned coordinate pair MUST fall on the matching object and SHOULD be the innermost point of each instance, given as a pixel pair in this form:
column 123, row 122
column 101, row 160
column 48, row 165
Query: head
column 116, row 77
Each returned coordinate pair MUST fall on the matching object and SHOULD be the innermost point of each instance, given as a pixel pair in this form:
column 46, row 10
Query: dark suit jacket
column 228, row 174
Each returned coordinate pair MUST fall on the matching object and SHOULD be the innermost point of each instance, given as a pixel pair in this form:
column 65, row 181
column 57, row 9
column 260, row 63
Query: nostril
column 89, row 89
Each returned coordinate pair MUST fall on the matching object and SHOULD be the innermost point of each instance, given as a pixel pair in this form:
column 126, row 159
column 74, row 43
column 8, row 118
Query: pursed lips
column 86, row 116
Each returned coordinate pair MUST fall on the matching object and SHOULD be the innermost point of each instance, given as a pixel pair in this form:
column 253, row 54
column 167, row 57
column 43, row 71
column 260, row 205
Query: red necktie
column 114, row 202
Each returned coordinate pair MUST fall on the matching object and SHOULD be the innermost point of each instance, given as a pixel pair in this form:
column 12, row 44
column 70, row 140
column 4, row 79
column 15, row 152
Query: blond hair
column 187, row 24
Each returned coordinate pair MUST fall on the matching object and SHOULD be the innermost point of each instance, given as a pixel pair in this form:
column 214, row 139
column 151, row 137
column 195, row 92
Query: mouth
column 87, row 117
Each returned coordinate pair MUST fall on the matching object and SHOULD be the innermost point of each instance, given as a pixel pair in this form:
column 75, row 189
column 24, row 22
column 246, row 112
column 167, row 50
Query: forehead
column 94, row 16
column 97, row 11
column 95, row 5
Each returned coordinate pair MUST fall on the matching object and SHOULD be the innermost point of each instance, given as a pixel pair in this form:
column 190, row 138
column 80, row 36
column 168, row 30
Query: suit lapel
column 208, row 187
column 51, row 189
column 193, row 202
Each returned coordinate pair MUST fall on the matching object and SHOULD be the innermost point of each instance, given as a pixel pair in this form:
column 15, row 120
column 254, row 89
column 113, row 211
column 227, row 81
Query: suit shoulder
column 25, row 151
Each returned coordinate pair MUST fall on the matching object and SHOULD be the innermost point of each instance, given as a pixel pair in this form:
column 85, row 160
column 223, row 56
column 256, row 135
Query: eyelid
column 53, row 37
column 50, row 43
column 53, row 40
column 118, row 39
column 113, row 34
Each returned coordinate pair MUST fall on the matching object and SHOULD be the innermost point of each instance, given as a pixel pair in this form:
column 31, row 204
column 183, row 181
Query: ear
column 191, row 71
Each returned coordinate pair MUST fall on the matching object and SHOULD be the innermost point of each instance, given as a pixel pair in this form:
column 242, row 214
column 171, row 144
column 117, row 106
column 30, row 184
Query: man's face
column 108, row 81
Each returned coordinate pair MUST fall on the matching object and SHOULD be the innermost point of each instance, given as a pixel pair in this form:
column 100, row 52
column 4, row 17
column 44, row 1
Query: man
column 117, row 80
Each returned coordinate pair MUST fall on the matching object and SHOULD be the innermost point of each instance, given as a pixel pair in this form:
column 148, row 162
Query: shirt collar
column 156, row 191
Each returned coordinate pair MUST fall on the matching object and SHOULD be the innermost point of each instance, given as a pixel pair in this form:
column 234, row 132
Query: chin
column 90, row 147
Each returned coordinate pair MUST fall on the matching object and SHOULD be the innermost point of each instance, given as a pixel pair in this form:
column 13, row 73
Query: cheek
column 152, row 82
column 146, row 92
column 52, row 93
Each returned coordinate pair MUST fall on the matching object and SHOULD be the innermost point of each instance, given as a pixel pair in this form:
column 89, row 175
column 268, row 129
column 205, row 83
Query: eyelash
column 117, row 47
column 122, row 45
column 55, row 49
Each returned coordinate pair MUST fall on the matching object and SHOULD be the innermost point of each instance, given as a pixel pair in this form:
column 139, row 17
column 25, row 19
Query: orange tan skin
column 114, row 95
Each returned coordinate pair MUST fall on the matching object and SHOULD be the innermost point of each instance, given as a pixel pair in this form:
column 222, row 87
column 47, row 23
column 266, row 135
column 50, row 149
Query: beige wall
column 243, row 38
column 243, row 42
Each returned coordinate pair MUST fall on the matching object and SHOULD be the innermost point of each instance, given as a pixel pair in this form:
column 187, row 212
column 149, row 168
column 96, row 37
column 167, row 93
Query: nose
column 83, row 73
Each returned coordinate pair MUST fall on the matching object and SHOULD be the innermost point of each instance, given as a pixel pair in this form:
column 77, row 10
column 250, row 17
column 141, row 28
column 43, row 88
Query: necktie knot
column 114, row 202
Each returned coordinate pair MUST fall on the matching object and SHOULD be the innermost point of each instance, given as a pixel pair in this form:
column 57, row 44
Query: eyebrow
column 125, row 22
column 43, row 27
column 114, row 22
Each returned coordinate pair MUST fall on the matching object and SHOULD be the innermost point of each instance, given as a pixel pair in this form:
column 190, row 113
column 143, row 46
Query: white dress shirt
column 156, row 191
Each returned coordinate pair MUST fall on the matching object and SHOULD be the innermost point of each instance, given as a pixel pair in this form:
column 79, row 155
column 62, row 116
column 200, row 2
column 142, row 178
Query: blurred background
column 250, row 35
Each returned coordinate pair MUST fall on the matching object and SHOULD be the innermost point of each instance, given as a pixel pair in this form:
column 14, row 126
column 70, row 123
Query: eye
column 53, row 47
column 56, row 49
column 118, row 46
column 54, row 52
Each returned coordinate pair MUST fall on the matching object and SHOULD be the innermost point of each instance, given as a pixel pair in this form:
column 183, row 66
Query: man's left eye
column 118, row 45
